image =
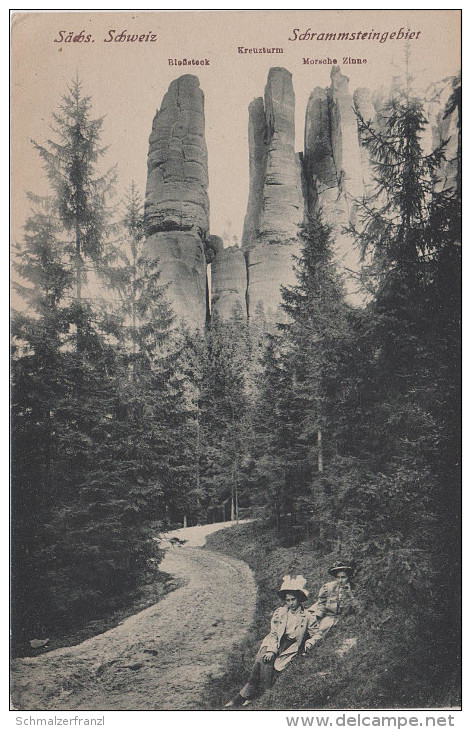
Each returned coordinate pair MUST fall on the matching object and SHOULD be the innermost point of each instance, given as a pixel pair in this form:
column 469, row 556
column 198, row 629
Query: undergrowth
column 398, row 662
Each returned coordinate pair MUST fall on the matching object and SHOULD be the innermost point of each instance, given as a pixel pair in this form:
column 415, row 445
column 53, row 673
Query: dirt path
column 160, row 658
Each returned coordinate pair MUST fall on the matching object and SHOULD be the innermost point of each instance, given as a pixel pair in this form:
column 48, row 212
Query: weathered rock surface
column 257, row 136
column 269, row 267
column 228, row 281
column 182, row 263
column 275, row 209
column 335, row 169
column 283, row 205
column 177, row 165
column 177, row 205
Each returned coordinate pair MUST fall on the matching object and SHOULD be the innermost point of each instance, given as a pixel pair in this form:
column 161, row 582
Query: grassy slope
column 390, row 667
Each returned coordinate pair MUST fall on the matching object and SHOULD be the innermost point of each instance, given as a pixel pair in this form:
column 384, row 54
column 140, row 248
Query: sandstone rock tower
column 177, row 205
column 443, row 127
column 336, row 168
column 276, row 207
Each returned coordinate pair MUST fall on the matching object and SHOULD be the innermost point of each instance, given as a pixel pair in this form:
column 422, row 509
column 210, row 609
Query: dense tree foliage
column 98, row 408
column 218, row 368
column 380, row 389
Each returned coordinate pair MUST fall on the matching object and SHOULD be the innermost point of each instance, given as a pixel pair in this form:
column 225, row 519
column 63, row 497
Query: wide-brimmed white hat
column 294, row 585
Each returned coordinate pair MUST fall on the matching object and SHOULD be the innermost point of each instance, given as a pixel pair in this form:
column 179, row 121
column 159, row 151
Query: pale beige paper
column 128, row 80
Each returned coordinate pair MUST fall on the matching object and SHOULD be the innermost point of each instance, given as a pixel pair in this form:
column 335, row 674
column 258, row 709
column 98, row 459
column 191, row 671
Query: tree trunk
column 236, row 492
column 197, row 456
column 133, row 320
column 320, row 456
column 78, row 276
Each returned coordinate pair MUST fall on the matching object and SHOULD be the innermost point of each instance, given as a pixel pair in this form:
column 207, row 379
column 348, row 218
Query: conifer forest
column 334, row 422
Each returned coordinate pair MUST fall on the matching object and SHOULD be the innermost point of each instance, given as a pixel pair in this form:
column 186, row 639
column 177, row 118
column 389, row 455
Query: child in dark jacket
column 335, row 599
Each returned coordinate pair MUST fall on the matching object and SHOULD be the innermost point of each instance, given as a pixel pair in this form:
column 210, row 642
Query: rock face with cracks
column 331, row 178
column 257, row 135
column 443, row 127
column 177, row 204
column 276, row 206
column 228, row 280
column 282, row 204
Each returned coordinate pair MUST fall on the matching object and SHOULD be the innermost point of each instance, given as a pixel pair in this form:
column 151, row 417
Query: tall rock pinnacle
column 282, row 209
column 257, row 134
column 276, row 207
column 335, row 169
column 329, row 179
column 443, row 126
column 177, row 205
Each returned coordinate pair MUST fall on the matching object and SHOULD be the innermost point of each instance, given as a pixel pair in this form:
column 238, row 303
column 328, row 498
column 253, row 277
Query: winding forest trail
column 160, row 658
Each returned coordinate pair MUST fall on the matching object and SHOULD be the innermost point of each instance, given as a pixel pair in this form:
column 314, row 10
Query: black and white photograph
column 235, row 397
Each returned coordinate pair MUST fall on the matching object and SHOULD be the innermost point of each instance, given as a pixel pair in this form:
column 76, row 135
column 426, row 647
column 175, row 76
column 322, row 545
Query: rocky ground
column 160, row 658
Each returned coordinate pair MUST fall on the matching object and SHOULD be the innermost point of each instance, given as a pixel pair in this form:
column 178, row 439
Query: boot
column 236, row 702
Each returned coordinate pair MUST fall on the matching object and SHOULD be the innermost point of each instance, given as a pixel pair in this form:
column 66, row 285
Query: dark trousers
column 263, row 674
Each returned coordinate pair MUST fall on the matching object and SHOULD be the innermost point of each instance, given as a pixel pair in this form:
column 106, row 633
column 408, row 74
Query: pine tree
column 297, row 397
column 80, row 193
column 413, row 336
column 39, row 333
column 216, row 372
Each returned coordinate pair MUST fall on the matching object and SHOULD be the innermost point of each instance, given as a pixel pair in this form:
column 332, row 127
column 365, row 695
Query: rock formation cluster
column 285, row 188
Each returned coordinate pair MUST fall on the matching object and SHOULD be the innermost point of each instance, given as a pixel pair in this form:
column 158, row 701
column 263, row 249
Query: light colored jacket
column 304, row 629
column 333, row 600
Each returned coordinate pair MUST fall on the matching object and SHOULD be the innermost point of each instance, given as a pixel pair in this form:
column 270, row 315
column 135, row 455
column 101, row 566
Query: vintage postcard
column 236, row 346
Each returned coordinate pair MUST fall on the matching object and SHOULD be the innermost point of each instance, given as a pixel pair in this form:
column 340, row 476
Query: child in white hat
column 290, row 626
